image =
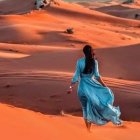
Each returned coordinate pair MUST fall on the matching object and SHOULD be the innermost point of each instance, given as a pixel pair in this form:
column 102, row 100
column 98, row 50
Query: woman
column 95, row 97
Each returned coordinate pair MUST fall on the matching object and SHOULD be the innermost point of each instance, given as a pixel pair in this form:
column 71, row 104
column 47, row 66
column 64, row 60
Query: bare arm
column 75, row 78
column 100, row 80
column 97, row 74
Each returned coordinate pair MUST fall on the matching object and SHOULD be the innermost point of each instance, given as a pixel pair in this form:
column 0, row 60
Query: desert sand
column 23, row 124
column 37, row 61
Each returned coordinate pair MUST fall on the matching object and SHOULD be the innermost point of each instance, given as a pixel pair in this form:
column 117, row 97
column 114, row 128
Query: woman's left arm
column 75, row 78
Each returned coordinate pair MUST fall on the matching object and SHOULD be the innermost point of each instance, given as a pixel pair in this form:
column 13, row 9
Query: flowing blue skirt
column 97, row 102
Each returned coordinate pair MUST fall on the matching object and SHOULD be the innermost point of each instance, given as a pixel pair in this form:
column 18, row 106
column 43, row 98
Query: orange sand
column 37, row 61
column 23, row 124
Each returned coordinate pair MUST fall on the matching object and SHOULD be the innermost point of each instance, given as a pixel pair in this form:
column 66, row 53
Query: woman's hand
column 100, row 80
column 103, row 84
column 69, row 91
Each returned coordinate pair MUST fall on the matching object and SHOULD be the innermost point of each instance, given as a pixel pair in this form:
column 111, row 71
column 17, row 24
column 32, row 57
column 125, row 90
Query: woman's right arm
column 100, row 80
column 97, row 74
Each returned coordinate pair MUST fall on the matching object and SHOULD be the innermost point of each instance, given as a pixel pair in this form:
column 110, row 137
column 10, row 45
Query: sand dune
column 124, row 11
column 39, row 57
column 44, row 29
column 22, row 89
column 16, row 6
column 36, row 126
column 37, row 61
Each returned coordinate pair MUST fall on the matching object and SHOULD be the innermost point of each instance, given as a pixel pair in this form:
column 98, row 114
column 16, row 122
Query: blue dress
column 96, row 100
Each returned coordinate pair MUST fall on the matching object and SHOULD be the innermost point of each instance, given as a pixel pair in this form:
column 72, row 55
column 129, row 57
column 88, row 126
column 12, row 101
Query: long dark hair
column 90, row 60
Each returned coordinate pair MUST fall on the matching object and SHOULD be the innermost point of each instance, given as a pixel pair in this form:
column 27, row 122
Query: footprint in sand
column 123, row 38
column 55, row 96
column 8, row 86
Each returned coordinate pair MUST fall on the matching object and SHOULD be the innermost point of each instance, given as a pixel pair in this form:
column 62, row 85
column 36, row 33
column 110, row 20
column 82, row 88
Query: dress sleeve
column 96, row 73
column 76, row 74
